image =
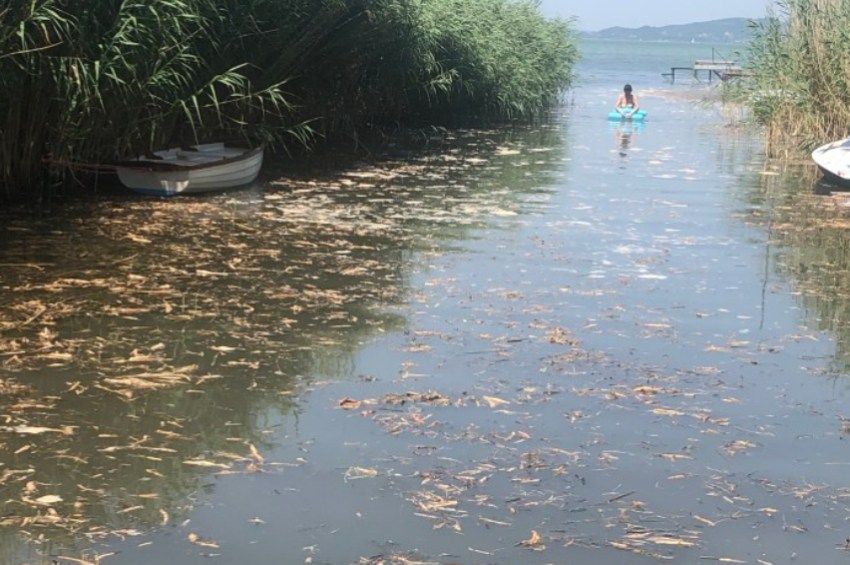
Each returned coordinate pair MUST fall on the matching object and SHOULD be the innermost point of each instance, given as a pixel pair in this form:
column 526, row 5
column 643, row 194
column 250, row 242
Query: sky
column 598, row 14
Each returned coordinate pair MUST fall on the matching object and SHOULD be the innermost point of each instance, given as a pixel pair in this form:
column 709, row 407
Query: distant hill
column 729, row 30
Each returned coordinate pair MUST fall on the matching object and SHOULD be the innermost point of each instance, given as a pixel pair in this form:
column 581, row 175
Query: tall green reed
column 91, row 81
column 800, row 57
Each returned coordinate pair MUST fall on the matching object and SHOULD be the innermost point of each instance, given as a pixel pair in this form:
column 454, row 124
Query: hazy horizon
column 592, row 16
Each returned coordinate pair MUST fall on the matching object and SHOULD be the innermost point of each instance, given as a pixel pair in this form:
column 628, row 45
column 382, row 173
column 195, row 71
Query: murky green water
column 555, row 343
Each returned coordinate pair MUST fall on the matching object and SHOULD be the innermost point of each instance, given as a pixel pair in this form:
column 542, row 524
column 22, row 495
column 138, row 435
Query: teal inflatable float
column 638, row 116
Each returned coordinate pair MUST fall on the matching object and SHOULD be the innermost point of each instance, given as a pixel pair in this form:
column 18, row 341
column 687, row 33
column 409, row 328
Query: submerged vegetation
column 800, row 58
column 91, row 81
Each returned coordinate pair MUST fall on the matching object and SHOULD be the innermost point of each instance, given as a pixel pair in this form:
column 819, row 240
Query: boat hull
column 833, row 159
column 833, row 179
column 230, row 173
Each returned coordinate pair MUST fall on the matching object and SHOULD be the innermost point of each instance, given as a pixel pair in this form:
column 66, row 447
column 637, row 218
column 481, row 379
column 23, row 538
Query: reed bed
column 92, row 81
column 800, row 57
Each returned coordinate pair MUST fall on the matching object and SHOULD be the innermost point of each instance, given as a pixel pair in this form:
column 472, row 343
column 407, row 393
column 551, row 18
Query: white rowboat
column 834, row 160
column 202, row 168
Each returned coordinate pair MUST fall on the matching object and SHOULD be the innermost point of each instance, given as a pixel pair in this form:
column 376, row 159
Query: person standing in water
column 627, row 103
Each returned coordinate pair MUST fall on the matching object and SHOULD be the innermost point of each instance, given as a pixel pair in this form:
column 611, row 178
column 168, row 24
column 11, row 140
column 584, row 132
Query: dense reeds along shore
column 800, row 58
column 90, row 81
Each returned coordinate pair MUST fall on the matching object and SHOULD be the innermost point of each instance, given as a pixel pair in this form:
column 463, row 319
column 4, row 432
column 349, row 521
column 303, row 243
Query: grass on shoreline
column 93, row 81
column 800, row 57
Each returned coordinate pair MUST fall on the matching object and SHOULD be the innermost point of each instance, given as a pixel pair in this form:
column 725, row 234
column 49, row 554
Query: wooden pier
column 716, row 67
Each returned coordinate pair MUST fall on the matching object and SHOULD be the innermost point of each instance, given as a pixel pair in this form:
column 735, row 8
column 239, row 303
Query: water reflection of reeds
column 148, row 343
column 809, row 230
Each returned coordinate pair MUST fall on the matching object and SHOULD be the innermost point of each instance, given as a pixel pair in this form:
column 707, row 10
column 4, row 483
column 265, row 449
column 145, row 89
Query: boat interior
column 193, row 156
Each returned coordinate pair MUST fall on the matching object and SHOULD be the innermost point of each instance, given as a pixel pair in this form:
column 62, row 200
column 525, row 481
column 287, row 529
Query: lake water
column 566, row 342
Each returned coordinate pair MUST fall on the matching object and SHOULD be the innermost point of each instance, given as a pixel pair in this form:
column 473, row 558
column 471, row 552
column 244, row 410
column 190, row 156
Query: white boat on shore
column 834, row 160
column 202, row 168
